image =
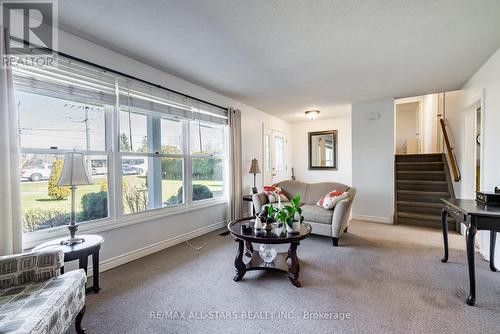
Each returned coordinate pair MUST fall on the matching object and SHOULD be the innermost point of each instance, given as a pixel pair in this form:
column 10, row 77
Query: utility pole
column 87, row 129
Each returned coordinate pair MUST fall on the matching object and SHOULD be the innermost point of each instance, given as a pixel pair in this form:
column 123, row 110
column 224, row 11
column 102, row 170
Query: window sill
column 31, row 240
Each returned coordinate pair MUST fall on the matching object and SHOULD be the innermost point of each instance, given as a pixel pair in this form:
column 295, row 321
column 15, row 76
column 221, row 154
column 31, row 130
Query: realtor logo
column 30, row 26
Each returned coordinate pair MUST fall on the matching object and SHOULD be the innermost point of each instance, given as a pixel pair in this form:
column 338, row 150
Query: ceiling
column 288, row 57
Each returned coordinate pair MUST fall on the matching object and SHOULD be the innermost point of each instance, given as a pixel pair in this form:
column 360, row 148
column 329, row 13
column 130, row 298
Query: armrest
column 24, row 268
column 258, row 201
column 340, row 218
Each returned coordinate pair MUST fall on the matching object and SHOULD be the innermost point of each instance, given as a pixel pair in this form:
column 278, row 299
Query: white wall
column 487, row 81
column 373, row 160
column 132, row 240
column 300, row 141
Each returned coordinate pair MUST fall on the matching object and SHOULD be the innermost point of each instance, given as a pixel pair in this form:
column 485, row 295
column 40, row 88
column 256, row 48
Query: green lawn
column 34, row 194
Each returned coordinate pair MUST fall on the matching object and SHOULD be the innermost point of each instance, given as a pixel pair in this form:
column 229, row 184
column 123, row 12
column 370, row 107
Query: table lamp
column 74, row 174
column 254, row 169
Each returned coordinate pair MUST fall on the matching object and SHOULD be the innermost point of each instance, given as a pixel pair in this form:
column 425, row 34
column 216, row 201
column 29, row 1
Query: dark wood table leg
column 471, row 233
column 493, row 240
column 444, row 222
column 249, row 248
column 239, row 265
column 293, row 271
column 95, row 271
column 83, row 264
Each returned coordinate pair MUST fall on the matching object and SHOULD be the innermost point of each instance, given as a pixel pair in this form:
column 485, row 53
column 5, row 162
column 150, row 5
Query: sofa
column 35, row 299
column 332, row 223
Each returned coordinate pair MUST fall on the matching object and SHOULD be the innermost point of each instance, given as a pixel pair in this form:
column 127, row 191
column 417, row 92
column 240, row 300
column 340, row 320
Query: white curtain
column 11, row 231
column 235, row 172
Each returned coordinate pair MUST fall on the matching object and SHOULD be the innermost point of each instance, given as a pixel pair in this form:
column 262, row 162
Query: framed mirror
column 323, row 150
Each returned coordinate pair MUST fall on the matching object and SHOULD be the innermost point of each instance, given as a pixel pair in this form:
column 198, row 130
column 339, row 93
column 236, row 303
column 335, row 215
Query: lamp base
column 72, row 241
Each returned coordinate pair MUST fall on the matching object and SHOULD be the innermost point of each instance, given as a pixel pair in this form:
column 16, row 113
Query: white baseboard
column 156, row 247
column 373, row 219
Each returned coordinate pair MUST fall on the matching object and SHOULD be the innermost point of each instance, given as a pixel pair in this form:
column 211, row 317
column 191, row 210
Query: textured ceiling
column 285, row 57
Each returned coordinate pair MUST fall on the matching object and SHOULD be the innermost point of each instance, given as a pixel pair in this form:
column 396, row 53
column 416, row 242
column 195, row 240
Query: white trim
column 409, row 100
column 156, row 247
column 373, row 219
column 32, row 239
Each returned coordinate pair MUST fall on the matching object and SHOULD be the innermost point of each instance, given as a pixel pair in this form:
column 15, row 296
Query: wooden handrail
column 451, row 153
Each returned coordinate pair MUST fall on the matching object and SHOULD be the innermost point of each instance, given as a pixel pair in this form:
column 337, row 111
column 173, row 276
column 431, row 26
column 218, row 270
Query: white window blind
column 67, row 79
column 71, row 79
column 136, row 94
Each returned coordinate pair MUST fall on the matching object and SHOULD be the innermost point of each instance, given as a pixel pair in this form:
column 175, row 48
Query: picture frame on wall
column 323, row 150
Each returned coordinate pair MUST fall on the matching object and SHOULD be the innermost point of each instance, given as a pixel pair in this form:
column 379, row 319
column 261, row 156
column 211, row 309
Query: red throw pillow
column 273, row 193
column 331, row 199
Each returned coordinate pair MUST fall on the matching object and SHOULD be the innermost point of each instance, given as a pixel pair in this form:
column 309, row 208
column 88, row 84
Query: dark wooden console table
column 475, row 217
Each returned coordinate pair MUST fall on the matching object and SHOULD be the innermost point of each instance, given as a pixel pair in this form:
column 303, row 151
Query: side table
column 80, row 252
column 248, row 198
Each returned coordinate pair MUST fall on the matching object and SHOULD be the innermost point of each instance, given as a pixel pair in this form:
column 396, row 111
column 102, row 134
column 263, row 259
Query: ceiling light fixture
column 312, row 114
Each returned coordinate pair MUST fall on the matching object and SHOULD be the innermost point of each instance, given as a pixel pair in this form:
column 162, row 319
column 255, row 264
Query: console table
column 475, row 217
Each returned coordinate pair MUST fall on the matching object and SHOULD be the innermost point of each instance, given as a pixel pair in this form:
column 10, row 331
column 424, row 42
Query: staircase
column 421, row 181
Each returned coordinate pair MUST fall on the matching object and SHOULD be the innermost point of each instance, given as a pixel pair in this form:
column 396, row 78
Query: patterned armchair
column 35, row 299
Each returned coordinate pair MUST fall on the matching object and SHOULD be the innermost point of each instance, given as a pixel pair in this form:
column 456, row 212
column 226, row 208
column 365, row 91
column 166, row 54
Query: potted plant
column 290, row 215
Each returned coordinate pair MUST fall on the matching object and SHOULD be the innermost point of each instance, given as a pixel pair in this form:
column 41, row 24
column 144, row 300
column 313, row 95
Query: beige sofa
column 331, row 223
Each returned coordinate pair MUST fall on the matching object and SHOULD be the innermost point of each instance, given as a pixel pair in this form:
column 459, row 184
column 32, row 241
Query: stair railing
column 452, row 158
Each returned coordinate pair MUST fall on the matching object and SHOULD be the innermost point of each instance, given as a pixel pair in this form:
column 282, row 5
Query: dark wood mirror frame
column 322, row 133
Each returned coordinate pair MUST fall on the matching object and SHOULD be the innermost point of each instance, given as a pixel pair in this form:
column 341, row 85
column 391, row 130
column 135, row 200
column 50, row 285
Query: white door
column 275, row 157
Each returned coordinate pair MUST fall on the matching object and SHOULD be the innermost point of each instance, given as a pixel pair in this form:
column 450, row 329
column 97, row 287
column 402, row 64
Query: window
column 171, row 136
column 207, row 171
column 267, row 152
column 146, row 148
column 280, row 153
column 47, row 122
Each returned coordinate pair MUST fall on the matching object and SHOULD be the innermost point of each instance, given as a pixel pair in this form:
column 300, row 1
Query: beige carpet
column 387, row 278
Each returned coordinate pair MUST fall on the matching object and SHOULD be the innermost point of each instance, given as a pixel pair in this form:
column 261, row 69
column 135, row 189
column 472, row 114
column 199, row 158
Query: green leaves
column 288, row 212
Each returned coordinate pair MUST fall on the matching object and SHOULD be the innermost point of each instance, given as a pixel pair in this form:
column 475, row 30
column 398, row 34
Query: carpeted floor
column 382, row 279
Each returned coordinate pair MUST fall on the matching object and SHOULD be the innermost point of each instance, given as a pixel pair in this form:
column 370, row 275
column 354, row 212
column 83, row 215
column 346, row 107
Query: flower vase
column 294, row 229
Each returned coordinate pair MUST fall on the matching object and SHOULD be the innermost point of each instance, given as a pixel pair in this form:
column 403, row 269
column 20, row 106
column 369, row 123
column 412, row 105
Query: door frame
column 419, row 120
column 469, row 174
column 472, row 104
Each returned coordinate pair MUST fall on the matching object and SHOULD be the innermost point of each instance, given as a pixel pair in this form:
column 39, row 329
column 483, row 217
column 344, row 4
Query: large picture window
column 146, row 148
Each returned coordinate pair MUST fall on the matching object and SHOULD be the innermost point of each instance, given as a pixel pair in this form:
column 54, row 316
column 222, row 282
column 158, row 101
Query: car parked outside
column 36, row 173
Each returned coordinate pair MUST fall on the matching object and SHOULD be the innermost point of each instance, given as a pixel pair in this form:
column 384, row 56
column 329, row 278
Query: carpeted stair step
column 418, row 157
column 419, row 207
column 420, row 166
column 421, row 185
column 432, row 221
column 421, row 175
column 422, row 196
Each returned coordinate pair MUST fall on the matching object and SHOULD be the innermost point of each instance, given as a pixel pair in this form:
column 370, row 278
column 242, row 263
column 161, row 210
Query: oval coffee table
column 275, row 236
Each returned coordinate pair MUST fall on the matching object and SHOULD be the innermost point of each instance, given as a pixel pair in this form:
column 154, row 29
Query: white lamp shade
column 74, row 170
